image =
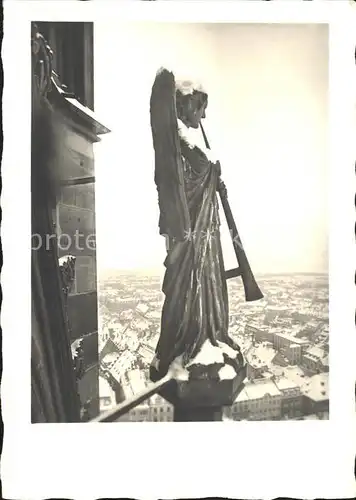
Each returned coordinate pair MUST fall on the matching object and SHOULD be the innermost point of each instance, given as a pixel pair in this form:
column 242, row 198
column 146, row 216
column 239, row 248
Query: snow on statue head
column 183, row 84
column 188, row 87
column 191, row 100
column 187, row 96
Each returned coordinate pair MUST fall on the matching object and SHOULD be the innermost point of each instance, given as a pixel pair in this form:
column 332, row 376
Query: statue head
column 191, row 102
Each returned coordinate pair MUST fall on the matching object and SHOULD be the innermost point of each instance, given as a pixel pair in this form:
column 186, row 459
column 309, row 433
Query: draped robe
column 196, row 298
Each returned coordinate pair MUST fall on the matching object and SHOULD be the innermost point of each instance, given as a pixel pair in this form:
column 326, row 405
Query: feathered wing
column 174, row 214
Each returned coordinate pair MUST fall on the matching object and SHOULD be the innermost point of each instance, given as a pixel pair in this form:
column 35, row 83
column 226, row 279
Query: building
column 253, row 371
column 141, row 413
column 155, row 409
column 302, row 316
column 311, row 329
column 259, row 333
column 294, row 353
column 240, row 409
column 142, row 308
column 140, row 325
column 160, row 409
column 267, row 399
column 272, row 312
column 64, row 130
column 316, row 394
column 146, row 352
column 264, row 400
column 291, row 398
column 108, row 348
column 259, row 358
column 107, row 397
column 135, row 382
column 258, row 400
column 314, row 359
column 282, row 341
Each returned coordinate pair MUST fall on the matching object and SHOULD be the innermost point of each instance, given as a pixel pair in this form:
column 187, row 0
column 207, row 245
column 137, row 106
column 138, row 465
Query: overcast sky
column 267, row 120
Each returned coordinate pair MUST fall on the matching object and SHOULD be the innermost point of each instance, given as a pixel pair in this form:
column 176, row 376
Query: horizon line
column 160, row 271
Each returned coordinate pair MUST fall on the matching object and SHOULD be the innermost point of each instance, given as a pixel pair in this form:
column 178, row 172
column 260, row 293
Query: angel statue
column 187, row 177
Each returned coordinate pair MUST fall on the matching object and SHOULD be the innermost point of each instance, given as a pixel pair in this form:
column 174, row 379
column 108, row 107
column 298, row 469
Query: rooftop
column 284, row 384
column 142, row 308
column 292, row 338
column 316, row 351
column 111, row 357
column 295, row 374
column 260, row 388
column 260, row 355
column 317, row 387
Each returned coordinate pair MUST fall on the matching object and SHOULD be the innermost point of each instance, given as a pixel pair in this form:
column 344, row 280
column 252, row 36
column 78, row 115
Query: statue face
column 192, row 108
column 196, row 114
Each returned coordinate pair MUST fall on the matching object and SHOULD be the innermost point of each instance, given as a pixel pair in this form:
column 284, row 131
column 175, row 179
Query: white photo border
column 306, row 459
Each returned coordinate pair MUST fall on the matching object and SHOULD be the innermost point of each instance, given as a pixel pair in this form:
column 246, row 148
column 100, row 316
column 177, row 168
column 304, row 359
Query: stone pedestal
column 209, row 382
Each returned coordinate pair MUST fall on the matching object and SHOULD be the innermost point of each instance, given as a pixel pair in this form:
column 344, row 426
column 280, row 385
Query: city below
column 284, row 338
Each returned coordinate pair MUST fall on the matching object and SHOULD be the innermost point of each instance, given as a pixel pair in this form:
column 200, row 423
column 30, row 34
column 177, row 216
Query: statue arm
column 169, row 171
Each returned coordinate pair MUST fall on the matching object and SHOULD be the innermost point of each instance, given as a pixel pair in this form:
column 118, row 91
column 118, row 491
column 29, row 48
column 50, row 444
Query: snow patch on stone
column 65, row 259
column 177, row 369
column 208, row 355
column 227, row 373
column 187, row 135
column 229, row 351
column 162, row 69
column 188, row 85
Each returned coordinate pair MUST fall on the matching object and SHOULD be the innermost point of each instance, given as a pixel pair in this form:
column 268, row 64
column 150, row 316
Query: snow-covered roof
column 259, row 389
column 260, row 355
column 284, row 384
column 143, row 308
column 295, row 374
column 317, row 387
column 316, row 351
column 111, row 357
column 292, row 338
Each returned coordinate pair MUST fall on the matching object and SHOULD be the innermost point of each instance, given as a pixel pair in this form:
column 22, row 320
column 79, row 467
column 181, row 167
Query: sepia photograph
column 182, row 248
column 246, row 337
column 158, row 308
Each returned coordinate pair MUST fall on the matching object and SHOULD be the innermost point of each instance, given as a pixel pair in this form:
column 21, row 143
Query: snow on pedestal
column 208, row 357
column 212, row 379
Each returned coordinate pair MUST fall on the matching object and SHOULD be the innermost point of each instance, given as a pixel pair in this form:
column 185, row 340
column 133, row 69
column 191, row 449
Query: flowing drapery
column 196, row 300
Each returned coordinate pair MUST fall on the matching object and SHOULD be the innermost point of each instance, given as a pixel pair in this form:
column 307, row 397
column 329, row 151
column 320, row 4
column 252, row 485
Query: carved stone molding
column 67, row 269
column 42, row 59
column 78, row 358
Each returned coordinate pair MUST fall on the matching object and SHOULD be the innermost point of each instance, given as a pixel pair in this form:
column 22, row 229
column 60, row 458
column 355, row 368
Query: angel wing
column 174, row 213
